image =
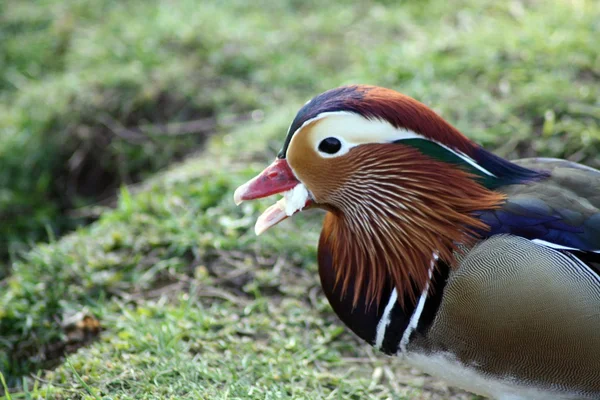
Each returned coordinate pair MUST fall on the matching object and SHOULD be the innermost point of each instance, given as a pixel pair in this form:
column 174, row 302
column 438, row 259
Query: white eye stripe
column 352, row 130
column 318, row 117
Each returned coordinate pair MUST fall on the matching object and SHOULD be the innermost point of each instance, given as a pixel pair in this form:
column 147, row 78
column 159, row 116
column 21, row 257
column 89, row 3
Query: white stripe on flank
column 583, row 266
column 558, row 246
column 385, row 320
column 572, row 259
column 414, row 319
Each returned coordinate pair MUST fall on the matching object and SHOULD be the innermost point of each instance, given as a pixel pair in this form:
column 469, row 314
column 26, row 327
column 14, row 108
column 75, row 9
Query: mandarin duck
column 478, row 270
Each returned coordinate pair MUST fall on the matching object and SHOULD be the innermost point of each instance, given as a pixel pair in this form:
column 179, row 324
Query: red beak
column 276, row 178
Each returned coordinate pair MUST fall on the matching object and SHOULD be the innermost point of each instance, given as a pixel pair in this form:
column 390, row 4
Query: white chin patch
column 293, row 200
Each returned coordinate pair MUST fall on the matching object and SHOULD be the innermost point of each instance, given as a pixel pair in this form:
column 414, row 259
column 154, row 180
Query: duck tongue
column 270, row 217
column 293, row 201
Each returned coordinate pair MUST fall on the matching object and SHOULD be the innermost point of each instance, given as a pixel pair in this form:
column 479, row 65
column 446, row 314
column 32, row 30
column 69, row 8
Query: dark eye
column 330, row 145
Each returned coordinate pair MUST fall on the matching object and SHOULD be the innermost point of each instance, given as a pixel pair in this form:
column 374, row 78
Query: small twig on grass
column 236, row 273
column 357, row 360
column 313, row 298
column 174, row 287
column 146, row 132
column 232, row 258
column 221, row 294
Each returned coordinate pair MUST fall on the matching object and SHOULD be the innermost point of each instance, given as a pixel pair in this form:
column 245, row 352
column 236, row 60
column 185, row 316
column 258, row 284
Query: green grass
column 192, row 303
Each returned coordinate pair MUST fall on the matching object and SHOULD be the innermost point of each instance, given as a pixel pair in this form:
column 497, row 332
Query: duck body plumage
column 478, row 270
column 518, row 317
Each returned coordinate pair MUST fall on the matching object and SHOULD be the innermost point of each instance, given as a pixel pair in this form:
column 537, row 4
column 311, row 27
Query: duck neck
column 389, row 322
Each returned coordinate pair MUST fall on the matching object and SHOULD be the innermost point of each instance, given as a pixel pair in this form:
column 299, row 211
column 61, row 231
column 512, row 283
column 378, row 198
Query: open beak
column 276, row 178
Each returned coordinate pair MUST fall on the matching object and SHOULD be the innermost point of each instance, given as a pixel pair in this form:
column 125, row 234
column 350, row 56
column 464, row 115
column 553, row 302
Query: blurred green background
column 130, row 124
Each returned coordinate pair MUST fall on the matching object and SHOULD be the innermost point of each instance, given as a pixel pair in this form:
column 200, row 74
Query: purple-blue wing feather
column 563, row 209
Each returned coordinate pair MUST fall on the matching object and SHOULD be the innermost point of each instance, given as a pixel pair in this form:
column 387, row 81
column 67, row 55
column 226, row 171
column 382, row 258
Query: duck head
column 402, row 187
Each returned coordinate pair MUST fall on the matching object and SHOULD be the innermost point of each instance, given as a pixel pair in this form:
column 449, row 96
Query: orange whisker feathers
column 397, row 210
